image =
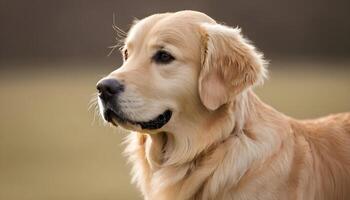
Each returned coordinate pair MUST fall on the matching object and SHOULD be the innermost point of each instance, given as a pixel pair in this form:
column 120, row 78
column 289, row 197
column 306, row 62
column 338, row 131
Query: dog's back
column 327, row 145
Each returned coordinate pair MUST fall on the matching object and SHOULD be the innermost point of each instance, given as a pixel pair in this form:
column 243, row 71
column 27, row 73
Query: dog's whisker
column 92, row 103
column 116, row 28
column 119, row 31
column 120, row 37
column 117, row 46
column 93, row 107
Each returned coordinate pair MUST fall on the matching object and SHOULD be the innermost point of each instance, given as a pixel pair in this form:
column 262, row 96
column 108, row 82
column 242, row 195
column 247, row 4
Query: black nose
column 109, row 88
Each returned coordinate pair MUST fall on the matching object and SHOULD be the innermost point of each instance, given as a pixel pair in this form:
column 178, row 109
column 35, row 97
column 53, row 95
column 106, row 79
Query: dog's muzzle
column 109, row 90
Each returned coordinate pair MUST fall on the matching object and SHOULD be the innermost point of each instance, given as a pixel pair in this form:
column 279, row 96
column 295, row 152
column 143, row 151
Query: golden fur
column 222, row 142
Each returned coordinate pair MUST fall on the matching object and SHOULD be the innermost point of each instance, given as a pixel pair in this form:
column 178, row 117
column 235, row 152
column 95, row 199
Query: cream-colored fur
column 222, row 142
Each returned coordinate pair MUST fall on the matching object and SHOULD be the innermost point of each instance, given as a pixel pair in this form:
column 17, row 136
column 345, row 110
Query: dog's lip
column 156, row 123
column 109, row 115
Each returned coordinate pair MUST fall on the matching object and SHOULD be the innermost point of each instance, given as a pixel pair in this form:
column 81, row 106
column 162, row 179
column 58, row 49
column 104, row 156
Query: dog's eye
column 162, row 57
column 125, row 54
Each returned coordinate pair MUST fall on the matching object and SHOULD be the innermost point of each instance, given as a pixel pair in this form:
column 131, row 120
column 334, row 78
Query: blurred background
column 52, row 53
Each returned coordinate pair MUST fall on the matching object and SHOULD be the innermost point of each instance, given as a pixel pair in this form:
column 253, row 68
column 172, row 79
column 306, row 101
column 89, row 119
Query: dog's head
column 179, row 69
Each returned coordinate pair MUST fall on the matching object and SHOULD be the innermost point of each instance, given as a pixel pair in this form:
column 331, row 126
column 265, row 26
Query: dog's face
column 173, row 73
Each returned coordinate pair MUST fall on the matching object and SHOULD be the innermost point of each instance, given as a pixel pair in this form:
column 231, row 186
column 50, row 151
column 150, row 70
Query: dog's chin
column 120, row 120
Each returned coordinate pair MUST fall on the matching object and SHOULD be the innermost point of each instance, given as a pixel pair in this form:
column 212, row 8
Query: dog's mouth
column 118, row 118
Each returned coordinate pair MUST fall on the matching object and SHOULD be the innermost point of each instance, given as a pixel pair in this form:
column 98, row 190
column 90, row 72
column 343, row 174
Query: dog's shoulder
column 328, row 141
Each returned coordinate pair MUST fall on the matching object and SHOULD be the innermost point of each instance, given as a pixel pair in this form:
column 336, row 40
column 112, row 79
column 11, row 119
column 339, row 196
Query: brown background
column 81, row 29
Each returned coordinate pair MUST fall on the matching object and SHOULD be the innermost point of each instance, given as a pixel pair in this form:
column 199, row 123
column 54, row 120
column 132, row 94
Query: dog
column 198, row 131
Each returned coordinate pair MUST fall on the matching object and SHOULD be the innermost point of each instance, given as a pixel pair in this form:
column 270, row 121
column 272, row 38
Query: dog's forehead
column 167, row 27
column 141, row 27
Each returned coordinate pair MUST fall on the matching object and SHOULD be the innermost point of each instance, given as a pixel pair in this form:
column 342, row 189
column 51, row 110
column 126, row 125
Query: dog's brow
column 128, row 45
column 162, row 46
column 158, row 46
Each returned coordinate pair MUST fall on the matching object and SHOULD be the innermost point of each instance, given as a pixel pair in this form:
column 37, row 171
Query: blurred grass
column 50, row 148
column 307, row 89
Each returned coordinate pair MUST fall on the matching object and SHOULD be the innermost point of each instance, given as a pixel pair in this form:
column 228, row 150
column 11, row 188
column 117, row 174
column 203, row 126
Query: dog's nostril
column 109, row 87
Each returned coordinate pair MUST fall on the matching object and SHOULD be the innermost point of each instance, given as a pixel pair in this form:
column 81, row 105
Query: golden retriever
column 199, row 131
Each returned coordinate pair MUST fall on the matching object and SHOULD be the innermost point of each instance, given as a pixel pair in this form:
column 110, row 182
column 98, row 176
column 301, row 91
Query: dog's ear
column 230, row 64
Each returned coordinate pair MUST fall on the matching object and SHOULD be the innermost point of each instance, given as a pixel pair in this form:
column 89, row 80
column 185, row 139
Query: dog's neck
column 166, row 154
column 240, row 116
